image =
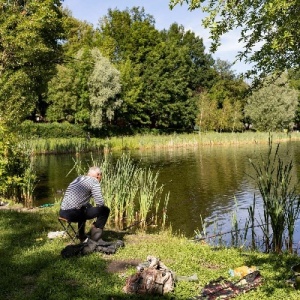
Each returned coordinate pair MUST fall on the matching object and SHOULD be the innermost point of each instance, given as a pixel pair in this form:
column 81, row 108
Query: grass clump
column 32, row 267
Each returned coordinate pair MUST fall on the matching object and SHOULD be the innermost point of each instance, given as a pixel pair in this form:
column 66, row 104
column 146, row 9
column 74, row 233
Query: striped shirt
column 80, row 191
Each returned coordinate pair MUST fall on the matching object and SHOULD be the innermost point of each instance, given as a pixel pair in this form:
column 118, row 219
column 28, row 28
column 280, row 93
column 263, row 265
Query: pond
column 210, row 182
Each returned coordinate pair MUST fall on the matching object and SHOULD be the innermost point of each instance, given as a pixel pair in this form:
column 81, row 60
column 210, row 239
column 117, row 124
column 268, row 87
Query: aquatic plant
column 132, row 193
column 281, row 204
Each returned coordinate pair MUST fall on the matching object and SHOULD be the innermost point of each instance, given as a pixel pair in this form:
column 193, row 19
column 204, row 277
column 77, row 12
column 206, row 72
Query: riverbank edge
column 28, row 229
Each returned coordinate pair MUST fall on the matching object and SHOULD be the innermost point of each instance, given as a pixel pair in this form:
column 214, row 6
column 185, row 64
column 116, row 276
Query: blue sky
column 93, row 10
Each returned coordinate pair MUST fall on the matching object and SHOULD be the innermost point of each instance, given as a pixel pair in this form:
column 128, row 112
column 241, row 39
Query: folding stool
column 69, row 229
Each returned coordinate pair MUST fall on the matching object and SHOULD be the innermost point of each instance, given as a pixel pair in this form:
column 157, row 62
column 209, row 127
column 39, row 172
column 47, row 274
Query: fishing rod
column 231, row 231
column 237, row 230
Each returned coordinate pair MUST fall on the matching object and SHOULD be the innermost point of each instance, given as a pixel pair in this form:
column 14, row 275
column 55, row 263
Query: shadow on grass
column 32, row 267
column 278, row 270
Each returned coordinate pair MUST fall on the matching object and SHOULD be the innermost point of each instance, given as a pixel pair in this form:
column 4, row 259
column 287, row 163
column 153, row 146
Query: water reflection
column 204, row 181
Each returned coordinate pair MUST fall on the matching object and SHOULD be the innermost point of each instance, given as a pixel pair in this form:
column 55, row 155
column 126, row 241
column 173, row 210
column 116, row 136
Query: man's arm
column 97, row 195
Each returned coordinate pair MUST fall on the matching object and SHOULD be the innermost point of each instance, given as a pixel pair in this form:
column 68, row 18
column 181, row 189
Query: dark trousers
column 86, row 213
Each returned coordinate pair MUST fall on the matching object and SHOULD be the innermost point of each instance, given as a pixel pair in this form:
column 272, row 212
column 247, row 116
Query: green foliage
column 62, row 99
column 207, row 119
column 281, row 204
column 273, row 106
column 227, row 85
column 84, row 91
column 30, row 48
column 127, row 34
column 68, row 95
column 160, row 71
column 294, row 80
column 210, row 117
column 78, row 35
column 29, row 129
column 104, row 85
column 269, row 29
column 17, row 176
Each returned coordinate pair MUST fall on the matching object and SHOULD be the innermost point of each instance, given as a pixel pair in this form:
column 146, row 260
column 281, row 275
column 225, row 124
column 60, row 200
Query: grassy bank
column 140, row 142
column 32, row 268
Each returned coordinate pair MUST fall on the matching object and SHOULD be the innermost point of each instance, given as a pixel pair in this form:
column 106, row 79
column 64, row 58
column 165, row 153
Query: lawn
column 32, row 267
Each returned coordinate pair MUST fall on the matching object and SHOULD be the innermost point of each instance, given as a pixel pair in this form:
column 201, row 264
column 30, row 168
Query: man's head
column 95, row 172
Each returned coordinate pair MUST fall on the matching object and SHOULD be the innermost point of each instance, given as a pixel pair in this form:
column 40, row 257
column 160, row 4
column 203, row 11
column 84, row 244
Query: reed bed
column 132, row 193
column 272, row 229
column 140, row 142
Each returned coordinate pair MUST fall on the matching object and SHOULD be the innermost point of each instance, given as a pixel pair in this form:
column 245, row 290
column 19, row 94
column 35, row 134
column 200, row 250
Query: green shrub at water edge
column 17, row 176
column 51, row 130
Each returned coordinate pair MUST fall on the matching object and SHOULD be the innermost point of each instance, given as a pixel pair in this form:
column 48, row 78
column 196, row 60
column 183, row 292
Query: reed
column 149, row 193
column 132, row 193
column 280, row 201
column 250, row 223
column 29, row 184
column 235, row 226
column 140, row 142
column 165, row 210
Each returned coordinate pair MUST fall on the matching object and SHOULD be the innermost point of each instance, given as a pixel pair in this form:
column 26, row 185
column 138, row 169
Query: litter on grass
column 56, row 234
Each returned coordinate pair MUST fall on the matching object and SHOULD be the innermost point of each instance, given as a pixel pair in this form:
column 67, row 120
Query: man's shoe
column 89, row 247
column 96, row 233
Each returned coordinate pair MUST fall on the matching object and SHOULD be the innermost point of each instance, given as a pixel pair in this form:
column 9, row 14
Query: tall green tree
column 207, row 117
column 104, row 86
column 84, row 90
column 201, row 73
column 273, row 106
column 68, row 93
column 226, row 84
column 168, row 99
column 127, row 37
column 228, row 92
column 127, row 34
column 271, row 28
column 30, row 48
column 78, row 35
column 294, row 80
column 160, row 71
column 61, row 96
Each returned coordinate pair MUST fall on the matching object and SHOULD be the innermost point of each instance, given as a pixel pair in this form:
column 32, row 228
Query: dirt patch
column 142, row 237
column 119, row 266
column 209, row 265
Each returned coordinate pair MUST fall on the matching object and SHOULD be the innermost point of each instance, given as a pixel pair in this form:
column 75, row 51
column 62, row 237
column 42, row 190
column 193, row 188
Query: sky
column 92, row 10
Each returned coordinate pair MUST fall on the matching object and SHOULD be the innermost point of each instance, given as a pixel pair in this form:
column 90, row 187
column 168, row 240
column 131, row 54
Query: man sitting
column 76, row 206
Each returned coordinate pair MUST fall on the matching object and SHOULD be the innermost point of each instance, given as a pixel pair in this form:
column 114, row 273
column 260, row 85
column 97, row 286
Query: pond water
column 209, row 182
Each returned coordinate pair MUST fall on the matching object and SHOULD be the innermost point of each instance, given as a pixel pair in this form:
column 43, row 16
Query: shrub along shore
column 32, row 267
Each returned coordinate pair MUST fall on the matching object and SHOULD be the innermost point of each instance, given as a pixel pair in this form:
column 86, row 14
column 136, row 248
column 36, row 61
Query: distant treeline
column 125, row 76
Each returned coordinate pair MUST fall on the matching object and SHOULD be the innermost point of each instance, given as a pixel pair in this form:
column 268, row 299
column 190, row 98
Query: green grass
column 32, row 267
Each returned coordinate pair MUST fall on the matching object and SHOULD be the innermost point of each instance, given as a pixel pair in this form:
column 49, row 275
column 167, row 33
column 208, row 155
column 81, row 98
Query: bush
column 17, row 178
column 50, row 130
